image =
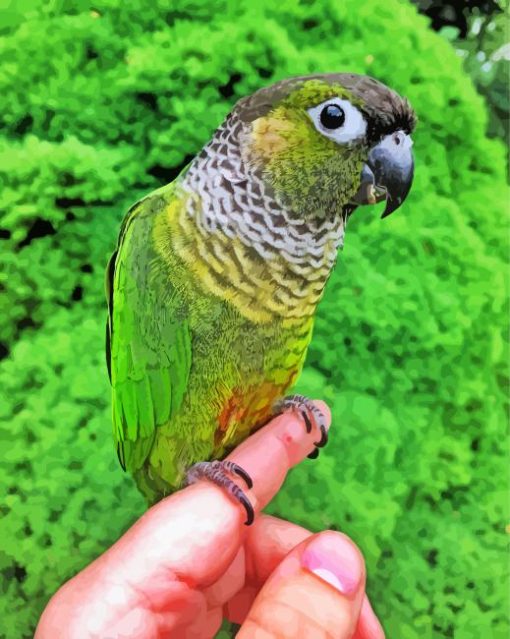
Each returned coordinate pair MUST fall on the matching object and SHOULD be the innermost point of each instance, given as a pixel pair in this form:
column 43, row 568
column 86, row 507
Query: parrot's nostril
column 398, row 138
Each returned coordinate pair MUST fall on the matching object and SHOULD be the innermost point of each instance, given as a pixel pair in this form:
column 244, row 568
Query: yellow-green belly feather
column 197, row 360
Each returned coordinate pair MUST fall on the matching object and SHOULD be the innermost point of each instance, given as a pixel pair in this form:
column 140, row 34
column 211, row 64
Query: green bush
column 99, row 106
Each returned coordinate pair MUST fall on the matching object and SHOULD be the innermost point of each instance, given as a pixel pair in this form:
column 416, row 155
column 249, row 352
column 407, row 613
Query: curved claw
column 250, row 513
column 310, row 414
column 314, row 454
column 306, row 419
column 324, row 438
column 215, row 471
column 232, row 467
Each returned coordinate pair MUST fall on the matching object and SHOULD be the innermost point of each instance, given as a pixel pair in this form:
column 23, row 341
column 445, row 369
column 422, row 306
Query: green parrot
column 216, row 278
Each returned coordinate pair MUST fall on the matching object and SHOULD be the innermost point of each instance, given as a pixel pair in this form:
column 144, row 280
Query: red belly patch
column 247, row 409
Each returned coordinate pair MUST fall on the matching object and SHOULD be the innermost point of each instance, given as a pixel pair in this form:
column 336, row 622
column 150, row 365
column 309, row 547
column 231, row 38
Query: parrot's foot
column 216, row 471
column 310, row 414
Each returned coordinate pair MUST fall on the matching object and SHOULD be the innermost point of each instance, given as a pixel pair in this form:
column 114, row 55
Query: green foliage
column 485, row 51
column 99, row 106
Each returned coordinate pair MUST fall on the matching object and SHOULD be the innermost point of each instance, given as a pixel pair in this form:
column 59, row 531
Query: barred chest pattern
column 257, row 253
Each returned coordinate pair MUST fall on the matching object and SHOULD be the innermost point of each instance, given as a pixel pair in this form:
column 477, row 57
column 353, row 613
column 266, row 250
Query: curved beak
column 388, row 173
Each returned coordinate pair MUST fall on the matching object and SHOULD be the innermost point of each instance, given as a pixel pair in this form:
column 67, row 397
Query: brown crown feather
column 385, row 110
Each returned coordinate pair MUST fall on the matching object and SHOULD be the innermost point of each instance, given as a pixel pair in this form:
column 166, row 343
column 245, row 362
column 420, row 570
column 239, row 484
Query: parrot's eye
column 338, row 120
column 332, row 116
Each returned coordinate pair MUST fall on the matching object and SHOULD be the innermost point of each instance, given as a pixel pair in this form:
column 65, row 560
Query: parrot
column 215, row 281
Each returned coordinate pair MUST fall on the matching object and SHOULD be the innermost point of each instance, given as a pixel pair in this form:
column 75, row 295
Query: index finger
column 196, row 532
column 156, row 575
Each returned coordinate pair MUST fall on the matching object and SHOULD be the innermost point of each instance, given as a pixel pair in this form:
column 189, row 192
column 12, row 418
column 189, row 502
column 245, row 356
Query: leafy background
column 101, row 103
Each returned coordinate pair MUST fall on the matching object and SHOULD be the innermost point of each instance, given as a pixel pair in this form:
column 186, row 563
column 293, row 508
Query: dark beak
column 388, row 173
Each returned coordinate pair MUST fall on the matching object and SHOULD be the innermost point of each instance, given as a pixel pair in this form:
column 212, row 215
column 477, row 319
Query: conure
column 216, row 278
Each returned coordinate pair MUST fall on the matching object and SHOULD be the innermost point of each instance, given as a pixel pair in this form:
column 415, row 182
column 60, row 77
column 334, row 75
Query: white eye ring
column 353, row 128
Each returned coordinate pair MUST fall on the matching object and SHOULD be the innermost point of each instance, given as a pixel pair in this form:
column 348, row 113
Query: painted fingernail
column 335, row 560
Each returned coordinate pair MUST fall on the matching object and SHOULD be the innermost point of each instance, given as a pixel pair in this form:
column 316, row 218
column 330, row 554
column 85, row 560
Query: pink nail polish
column 334, row 560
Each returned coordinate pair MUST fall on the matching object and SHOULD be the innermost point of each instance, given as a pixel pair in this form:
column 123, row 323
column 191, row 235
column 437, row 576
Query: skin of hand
column 190, row 561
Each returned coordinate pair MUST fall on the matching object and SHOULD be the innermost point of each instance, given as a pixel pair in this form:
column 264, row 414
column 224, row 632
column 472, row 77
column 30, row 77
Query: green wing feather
column 148, row 341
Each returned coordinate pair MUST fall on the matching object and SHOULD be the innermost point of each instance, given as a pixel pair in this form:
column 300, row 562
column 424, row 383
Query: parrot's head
column 327, row 143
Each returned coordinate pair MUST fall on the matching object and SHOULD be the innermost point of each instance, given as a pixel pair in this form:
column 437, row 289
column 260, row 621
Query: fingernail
column 335, row 560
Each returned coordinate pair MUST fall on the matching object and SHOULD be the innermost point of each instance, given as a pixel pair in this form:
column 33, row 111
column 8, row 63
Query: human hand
column 190, row 561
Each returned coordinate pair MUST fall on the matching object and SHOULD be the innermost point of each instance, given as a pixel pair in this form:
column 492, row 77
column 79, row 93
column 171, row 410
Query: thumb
column 316, row 591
